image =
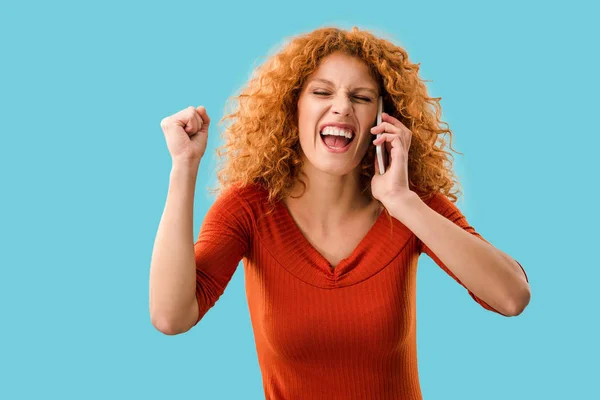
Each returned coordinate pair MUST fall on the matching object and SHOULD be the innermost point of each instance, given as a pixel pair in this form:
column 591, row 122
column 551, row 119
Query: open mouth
column 336, row 142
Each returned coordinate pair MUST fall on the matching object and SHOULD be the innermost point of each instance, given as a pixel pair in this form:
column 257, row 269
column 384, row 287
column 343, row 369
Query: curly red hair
column 261, row 141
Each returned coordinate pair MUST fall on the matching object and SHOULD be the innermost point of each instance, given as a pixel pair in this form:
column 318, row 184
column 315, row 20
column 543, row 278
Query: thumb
column 204, row 118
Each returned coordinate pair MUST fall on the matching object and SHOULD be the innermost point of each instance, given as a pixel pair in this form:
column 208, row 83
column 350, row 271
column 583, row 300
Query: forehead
column 343, row 69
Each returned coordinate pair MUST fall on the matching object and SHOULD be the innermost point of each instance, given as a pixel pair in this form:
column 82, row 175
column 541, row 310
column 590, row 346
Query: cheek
column 370, row 119
column 308, row 118
column 367, row 144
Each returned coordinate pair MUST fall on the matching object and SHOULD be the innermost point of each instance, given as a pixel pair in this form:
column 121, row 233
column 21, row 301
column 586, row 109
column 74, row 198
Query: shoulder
column 441, row 203
column 234, row 211
column 251, row 196
column 242, row 202
column 437, row 200
column 238, row 194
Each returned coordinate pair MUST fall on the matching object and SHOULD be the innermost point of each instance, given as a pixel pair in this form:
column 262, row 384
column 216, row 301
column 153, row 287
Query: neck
column 328, row 202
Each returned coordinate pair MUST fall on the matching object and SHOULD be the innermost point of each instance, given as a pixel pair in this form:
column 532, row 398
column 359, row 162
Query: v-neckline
column 342, row 265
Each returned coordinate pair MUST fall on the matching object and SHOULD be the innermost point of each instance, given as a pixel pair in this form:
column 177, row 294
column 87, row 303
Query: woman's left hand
column 396, row 137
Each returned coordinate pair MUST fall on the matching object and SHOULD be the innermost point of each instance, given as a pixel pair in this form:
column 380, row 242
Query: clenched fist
column 186, row 133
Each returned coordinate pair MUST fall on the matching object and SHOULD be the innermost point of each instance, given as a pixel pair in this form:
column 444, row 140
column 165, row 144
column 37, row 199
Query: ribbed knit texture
column 320, row 333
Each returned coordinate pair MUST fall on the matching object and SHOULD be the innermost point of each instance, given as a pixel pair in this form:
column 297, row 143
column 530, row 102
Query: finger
column 200, row 119
column 385, row 137
column 404, row 134
column 396, row 143
column 393, row 142
column 180, row 118
column 385, row 127
column 188, row 120
column 190, row 126
column 201, row 111
column 393, row 120
column 196, row 123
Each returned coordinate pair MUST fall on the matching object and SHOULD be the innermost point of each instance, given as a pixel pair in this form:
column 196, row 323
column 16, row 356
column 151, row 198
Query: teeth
column 331, row 130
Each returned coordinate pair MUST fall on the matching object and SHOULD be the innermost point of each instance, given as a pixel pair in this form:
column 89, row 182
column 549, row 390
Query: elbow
column 166, row 325
column 519, row 302
column 171, row 322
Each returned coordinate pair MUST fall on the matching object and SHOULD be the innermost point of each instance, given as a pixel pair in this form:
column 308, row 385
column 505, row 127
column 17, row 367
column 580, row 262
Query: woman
column 329, row 245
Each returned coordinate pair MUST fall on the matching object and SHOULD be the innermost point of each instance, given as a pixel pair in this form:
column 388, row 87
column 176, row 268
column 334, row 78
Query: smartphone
column 382, row 158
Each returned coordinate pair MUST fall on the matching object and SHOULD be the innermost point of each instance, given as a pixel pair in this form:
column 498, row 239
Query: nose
column 342, row 106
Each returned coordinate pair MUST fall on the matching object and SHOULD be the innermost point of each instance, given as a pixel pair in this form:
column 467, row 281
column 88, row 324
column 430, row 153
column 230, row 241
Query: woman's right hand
column 186, row 133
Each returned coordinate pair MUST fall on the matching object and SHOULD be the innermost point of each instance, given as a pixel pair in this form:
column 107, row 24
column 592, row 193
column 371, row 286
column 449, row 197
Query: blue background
column 85, row 171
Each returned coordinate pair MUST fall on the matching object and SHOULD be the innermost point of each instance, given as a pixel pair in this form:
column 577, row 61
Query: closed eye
column 356, row 97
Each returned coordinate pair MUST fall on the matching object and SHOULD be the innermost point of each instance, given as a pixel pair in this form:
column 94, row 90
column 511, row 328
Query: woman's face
column 340, row 91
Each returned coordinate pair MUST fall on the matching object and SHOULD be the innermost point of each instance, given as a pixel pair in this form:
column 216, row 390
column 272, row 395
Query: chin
column 336, row 168
column 329, row 165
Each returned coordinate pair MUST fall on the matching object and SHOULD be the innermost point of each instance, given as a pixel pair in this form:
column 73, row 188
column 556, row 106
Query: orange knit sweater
column 346, row 333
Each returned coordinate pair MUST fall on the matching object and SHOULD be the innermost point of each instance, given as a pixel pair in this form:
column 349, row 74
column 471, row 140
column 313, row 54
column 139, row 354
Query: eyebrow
column 328, row 82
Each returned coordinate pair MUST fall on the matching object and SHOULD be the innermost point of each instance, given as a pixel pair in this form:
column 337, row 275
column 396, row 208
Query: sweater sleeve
column 223, row 240
column 445, row 207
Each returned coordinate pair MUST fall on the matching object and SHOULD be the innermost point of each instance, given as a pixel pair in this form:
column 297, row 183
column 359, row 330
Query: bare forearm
column 490, row 274
column 172, row 273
